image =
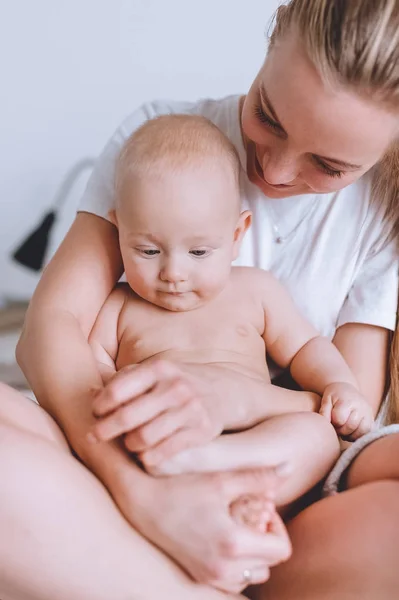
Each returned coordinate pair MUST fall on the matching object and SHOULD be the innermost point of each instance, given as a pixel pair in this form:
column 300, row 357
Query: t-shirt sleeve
column 373, row 297
column 98, row 197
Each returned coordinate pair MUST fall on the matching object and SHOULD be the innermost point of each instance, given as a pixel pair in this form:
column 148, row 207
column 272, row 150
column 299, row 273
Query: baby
column 180, row 227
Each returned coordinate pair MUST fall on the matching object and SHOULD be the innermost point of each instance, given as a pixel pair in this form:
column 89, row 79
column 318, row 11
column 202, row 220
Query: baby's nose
column 173, row 272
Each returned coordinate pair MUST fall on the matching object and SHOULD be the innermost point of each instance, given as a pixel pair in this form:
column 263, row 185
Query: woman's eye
column 328, row 170
column 264, row 118
column 199, row 253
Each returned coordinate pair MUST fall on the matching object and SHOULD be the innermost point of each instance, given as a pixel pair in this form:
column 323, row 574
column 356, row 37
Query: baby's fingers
column 365, row 426
column 351, row 424
column 326, row 407
column 340, row 413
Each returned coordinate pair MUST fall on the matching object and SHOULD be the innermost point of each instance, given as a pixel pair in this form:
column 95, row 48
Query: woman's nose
column 279, row 167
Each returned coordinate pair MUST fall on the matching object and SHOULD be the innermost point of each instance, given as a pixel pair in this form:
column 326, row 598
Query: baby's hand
column 255, row 512
column 347, row 410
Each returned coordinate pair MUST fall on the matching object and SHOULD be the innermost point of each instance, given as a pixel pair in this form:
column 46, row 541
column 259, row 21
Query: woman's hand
column 189, row 518
column 160, row 407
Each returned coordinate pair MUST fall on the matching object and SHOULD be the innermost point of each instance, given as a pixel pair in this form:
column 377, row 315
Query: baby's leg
column 305, row 441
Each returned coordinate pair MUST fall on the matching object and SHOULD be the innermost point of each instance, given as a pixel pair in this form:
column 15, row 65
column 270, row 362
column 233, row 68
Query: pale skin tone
column 54, row 345
column 178, row 236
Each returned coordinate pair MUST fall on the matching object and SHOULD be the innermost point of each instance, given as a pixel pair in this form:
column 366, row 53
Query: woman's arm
column 64, row 307
column 53, row 350
column 366, row 349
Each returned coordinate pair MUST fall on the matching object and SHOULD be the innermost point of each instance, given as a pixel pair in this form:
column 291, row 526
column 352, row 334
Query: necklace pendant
column 279, row 239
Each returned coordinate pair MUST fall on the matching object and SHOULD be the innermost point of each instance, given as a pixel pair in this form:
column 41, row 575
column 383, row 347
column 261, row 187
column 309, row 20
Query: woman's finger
column 235, row 576
column 180, row 440
column 272, row 547
column 262, row 481
column 158, row 429
column 136, row 413
column 131, row 382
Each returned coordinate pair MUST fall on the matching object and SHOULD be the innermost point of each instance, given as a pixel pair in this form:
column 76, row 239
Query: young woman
column 317, row 135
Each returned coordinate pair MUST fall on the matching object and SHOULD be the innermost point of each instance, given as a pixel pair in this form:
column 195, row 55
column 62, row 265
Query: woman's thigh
column 378, row 461
column 22, row 413
column 344, row 547
column 61, row 534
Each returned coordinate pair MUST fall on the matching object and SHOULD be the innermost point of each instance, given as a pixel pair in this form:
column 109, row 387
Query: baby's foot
column 255, row 512
column 192, row 460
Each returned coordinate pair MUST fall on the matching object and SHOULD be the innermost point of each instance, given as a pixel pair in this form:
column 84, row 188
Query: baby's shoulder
column 121, row 292
column 254, row 277
column 124, row 293
column 123, row 296
column 259, row 285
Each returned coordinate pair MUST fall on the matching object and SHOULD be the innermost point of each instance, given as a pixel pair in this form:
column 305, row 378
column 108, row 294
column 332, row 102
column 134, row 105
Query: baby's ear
column 243, row 224
column 112, row 217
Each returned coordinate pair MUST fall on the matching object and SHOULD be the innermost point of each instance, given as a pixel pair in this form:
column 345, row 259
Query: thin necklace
column 278, row 236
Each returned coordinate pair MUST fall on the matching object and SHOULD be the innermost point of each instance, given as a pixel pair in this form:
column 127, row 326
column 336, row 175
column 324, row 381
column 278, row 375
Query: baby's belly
column 212, row 361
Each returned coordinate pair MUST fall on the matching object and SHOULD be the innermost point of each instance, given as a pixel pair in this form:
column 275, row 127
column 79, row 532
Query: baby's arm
column 315, row 363
column 103, row 338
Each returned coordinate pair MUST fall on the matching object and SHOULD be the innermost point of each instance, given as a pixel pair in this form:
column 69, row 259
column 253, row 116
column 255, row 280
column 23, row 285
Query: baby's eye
column 199, row 253
column 149, row 251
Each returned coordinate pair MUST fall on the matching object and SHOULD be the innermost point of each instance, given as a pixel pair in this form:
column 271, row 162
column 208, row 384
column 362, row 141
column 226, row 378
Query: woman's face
column 302, row 137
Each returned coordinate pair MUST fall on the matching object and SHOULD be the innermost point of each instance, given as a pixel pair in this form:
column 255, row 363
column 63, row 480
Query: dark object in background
column 32, row 251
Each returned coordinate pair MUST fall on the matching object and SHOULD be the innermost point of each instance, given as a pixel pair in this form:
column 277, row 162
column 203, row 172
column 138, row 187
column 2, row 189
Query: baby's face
column 178, row 236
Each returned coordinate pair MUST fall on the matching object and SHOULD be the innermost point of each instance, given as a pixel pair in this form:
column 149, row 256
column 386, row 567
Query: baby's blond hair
column 172, row 143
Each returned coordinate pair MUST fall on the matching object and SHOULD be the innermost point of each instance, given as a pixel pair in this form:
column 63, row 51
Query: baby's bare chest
column 208, row 334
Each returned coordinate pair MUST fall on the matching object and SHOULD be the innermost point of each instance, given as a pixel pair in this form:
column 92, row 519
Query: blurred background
column 70, row 72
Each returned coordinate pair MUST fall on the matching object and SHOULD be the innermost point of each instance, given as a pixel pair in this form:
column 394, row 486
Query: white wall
column 71, row 70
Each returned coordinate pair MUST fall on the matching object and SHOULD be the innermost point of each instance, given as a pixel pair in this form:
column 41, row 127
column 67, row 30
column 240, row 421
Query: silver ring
column 247, row 576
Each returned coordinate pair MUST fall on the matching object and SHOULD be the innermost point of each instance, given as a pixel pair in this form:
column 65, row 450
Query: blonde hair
column 173, row 143
column 356, row 43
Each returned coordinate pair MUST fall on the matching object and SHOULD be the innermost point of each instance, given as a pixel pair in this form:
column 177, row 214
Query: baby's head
column 178, row 210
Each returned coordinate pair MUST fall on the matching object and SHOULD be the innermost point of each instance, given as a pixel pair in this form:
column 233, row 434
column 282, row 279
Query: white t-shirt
column 334, row 258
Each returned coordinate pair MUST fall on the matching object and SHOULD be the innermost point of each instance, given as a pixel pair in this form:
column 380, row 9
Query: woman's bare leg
column 61, row 535
column 378, row 461
column 346, row 546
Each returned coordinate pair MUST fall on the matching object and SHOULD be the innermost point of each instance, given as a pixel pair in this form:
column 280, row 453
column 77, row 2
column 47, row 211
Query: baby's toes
column 253, row 511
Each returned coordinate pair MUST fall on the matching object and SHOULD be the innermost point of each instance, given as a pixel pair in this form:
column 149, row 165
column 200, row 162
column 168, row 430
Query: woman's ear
column 243, row 224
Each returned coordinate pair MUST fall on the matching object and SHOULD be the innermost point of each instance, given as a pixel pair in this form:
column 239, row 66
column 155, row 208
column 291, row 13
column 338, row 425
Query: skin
column 70, row 295
column 289, row 148
column 174, row 271
column 178, row 239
